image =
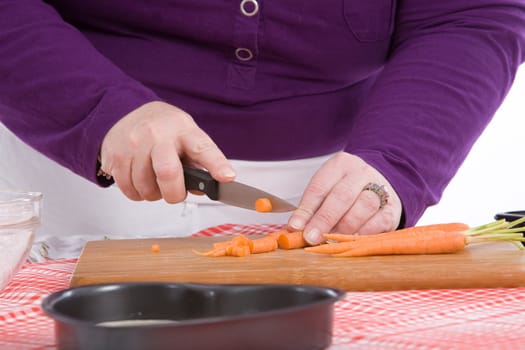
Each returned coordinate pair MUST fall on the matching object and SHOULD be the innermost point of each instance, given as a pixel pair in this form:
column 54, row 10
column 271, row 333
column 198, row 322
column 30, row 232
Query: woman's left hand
column 335, row 200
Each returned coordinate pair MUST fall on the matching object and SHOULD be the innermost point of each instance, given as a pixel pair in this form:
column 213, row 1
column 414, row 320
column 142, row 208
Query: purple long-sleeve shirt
column 406, row 85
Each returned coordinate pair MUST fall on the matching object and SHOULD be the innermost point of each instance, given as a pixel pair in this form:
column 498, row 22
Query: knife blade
column 231, row 193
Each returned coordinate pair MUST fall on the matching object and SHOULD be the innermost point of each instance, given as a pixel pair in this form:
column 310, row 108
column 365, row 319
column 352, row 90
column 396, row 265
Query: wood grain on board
column 479, row 266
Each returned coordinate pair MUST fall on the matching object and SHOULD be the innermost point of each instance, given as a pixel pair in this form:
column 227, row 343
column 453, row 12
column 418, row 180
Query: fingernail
column 228, row 172
column 296, row 224
column 313, row 236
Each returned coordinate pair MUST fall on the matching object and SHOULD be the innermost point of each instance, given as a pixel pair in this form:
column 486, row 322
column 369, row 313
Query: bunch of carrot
column 429, row 239
column 242, row 246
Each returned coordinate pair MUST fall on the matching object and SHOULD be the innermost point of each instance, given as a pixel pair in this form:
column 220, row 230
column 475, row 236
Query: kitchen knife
column 231, row 193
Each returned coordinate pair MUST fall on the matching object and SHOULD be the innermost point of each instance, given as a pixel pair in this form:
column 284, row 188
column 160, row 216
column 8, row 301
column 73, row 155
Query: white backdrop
column 492, row 178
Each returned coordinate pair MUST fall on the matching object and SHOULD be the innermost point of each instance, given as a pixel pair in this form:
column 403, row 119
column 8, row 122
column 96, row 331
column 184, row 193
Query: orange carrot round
column 222, row 244
column 239, row 251
column 292, row 240
column 277, row 233
column 155, row 248
column 263, row 205
column 263, row 245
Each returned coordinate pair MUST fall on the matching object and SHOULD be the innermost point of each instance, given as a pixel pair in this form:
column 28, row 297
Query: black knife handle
column 201, row 180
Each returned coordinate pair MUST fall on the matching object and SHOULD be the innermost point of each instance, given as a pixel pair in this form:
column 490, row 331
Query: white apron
column 76, row 210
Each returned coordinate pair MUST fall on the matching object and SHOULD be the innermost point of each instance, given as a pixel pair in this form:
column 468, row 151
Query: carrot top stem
column 519, row 245
column 498, row 226
column 517, row 222
column 516, row 237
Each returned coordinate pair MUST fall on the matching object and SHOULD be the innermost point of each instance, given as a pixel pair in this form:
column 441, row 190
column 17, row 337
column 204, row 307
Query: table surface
column 410, row 319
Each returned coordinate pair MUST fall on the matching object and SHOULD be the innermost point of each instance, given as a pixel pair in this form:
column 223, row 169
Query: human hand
column 334, row 200
column 143, row 152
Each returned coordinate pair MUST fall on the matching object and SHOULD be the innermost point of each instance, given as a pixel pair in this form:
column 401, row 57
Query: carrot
column 292, row 240
column 239, row 250
column 241, row 240
column 238, row 246
column 263, row 245
column 263, row 205
column 331, row 248
column 228, row 250
column 429, row 239
column 277, row 233
column 220, row 251
column 222, row 244
column 408, row 232
column 452, row 226
column 155, row 248
column 432, row 242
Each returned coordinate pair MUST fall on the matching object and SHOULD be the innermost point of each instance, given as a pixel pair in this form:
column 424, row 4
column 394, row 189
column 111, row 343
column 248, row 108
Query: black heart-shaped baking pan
column 157, row 316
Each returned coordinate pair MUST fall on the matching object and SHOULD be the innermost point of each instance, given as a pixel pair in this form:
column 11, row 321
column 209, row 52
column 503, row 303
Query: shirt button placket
column 241, row 72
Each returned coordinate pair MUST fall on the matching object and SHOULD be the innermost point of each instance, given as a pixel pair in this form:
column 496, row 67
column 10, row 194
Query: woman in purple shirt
column 389, row 94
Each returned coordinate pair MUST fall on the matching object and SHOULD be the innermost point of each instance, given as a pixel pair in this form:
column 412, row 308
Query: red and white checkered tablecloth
column 415, row 319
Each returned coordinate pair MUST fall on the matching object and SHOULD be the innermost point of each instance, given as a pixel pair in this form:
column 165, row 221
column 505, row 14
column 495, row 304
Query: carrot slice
column 240, row 240
column 263, row 245
column 277, row 233
column 291, row 240
column 155, row 248
column 222, row 244
column 240, row 251
column 263, row 205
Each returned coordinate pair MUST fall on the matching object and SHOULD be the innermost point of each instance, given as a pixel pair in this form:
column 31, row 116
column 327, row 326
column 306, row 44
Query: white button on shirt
column 249, row 7
column 243, row 54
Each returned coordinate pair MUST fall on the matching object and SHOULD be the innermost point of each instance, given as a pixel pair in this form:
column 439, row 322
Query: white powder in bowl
column 14, row 247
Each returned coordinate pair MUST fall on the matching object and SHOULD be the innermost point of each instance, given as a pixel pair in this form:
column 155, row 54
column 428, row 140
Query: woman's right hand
column 143, row 152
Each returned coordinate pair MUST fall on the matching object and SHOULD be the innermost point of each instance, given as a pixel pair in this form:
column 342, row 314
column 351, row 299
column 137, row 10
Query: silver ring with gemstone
column 381, row 192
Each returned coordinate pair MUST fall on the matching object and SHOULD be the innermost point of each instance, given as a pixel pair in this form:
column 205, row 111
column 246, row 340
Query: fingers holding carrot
column 335, row 200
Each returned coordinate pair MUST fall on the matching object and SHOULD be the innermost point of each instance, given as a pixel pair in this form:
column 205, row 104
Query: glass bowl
column 19, row 218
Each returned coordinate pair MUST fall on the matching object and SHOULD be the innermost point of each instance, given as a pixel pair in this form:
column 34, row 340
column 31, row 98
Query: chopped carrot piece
column 240, row 240
column 221, row 251
column 240, row 251
column 277, row 233
column 221, row 244
column 263, row 205
column 155, row 248
column 292, row 240
column 263, row 245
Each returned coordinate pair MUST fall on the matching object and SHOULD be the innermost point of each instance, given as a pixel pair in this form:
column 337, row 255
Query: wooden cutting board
column 479, row 266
